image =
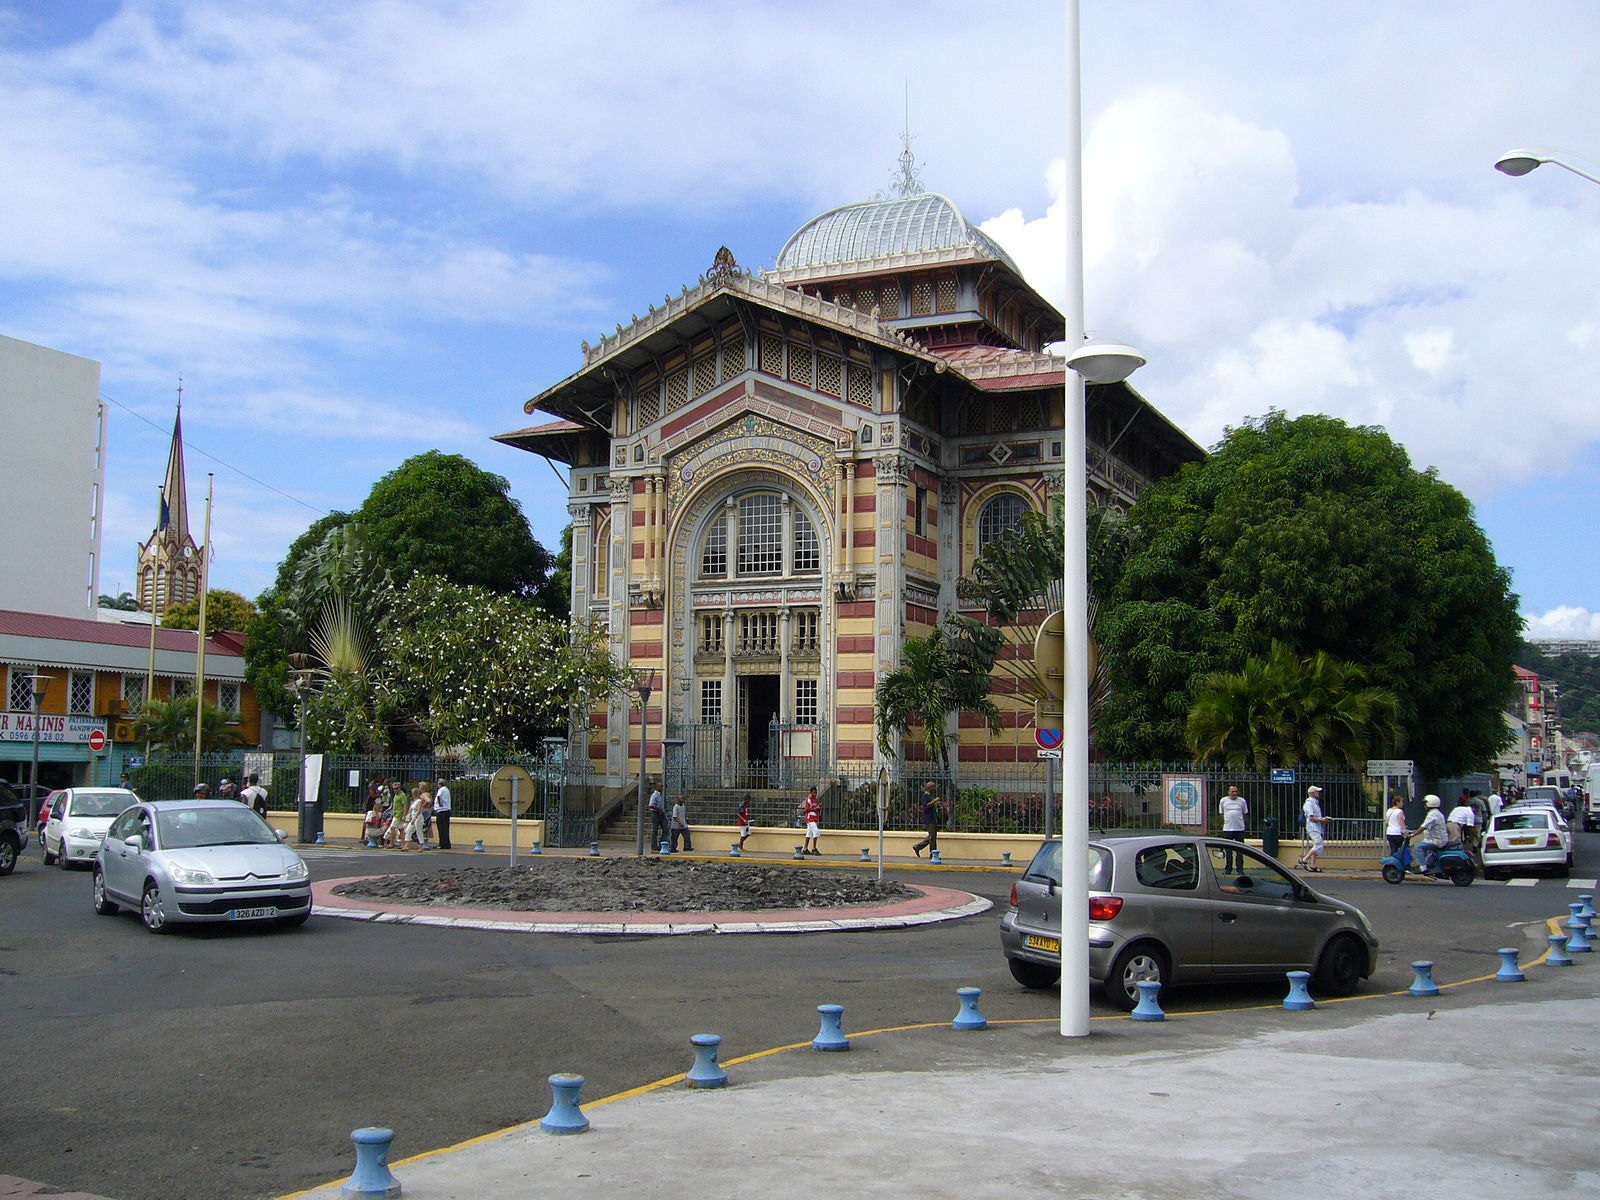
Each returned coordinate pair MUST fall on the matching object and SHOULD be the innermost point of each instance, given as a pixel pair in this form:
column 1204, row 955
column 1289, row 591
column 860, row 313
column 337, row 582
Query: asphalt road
column 234, row 1063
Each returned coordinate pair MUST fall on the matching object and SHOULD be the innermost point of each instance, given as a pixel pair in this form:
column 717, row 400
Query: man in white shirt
column 1496, row 803
column 1463, row 823
column 1435, row 834
column 441, row 814
column 658, row 816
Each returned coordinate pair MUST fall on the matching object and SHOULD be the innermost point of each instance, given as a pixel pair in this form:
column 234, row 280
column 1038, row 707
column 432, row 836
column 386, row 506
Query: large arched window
column 999, row 516
column 771, row 536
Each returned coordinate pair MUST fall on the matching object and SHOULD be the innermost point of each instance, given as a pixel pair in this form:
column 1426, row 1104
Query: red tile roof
column 113, row 633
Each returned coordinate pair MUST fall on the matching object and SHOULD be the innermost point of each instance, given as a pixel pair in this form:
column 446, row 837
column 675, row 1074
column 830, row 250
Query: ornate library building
column 777, row 477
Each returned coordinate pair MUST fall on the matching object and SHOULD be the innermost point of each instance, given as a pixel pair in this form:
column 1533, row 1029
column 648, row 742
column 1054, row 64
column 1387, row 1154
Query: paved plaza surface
column 1367, row 1096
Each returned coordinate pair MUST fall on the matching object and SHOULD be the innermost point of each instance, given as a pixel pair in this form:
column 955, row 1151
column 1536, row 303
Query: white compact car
column 79, row 818
column 1526, row 836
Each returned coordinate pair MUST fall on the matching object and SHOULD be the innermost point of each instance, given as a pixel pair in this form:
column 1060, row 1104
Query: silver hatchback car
column 1178, row 909
column 199, row 860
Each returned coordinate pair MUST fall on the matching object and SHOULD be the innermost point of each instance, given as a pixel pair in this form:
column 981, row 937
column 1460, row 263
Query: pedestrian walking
column 742, row 820
column 1316, row 825
column 811, row 814
column 255, row 795
column 1394, row 824
column 441, row 814
column 932, row 813
column 658, row 816
column 680, row 826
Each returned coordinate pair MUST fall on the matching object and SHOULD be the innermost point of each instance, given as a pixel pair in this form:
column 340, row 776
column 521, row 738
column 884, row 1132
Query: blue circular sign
column 1048, row 739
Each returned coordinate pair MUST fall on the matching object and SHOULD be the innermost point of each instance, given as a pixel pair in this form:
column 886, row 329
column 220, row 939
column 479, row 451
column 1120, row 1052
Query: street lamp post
column 644, row 684
column 302, row 675
column 1096, row 362
column 38, row 682
column 1520, row 162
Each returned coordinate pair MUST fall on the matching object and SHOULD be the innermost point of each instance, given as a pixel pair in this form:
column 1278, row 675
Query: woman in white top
column 1394, row 824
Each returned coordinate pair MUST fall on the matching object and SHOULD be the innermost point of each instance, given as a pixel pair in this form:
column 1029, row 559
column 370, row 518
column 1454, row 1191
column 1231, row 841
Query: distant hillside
column 1579, row 678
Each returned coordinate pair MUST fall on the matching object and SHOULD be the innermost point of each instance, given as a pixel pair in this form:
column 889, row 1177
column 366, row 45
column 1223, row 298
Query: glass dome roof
column 878, row 229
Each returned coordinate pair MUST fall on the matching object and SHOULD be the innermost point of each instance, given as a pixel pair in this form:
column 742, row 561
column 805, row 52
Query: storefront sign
column 52, row 727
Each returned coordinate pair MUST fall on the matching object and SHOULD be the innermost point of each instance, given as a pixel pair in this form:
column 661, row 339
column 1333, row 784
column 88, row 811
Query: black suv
column 13, row 828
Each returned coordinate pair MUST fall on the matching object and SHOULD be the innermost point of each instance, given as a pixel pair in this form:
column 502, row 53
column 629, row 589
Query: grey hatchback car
column 1179, row 909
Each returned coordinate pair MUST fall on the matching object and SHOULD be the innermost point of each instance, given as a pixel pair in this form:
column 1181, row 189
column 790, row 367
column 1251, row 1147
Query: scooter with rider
column 1437, row 857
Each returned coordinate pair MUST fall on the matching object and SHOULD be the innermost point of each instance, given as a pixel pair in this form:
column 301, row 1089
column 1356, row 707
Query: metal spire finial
column 908, row 183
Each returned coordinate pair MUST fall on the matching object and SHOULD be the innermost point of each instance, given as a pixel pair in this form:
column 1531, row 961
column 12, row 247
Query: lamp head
column 1102, row 361
column 1519, row 162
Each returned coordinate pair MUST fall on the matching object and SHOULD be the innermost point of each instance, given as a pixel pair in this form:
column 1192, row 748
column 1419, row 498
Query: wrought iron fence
column 566, row 796
column 983, row 798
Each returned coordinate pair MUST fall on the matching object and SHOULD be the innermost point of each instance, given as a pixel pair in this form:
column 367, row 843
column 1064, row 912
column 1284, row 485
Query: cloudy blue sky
column 359, row 230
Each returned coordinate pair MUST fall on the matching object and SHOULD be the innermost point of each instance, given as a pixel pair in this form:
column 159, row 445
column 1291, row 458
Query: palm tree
column 1017, row 578
column 1286, row 709
column 934, row 679
column 170, row 725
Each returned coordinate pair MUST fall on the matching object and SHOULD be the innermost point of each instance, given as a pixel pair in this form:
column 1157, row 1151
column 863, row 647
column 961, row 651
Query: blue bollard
column 372, row 1177
column 537, row 847
column 1578, row 915
column 734, row 851
column 322, row 838
column 594, row 849
column 866, row 854
column 565, row 1116
column 1298, row 996
column 706, row 1072
column 1005, row 858
column 799, row 851
column 933, row 857
column 968, row 1016
column 1148, row 1008
column 1423, row 984
column 477, row 846
column 1509, row 972
column 1558, row 951
column 830, row 1036
column 1588, row 908
column 1578, row 935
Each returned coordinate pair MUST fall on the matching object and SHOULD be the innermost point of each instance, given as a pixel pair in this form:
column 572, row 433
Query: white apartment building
column 54, row 429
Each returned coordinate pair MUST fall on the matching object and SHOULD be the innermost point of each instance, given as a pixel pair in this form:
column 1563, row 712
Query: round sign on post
column 500, row 789
column 97, row 740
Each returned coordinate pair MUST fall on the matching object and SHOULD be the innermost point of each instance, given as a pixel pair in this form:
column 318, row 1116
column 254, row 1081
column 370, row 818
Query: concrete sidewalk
column 1484, row 1090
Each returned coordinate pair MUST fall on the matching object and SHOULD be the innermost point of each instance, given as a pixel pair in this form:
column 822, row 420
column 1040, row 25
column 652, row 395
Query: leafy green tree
column 169, row 725
column 121, row 602
column 1283, row 710
column 224, row 610
column 933, row 681
column 1323, row 536
column 489, row 672
column 442, row 515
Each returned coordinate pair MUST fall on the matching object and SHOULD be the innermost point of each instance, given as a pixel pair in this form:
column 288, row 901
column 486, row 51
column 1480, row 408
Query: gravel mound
column 630, row 885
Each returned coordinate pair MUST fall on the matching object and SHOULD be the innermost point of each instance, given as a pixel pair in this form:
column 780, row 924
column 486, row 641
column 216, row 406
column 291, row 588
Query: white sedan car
column 1526, row 836
column 78, row 820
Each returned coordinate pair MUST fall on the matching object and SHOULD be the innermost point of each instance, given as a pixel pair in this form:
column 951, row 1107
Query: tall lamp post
column 644, row 682
column 1093, row 362
column 1520, row 162
column 302, row 676
column 39, row 682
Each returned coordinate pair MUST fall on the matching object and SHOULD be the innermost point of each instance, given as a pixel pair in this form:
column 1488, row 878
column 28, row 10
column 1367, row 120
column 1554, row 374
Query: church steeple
column 169, row 563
